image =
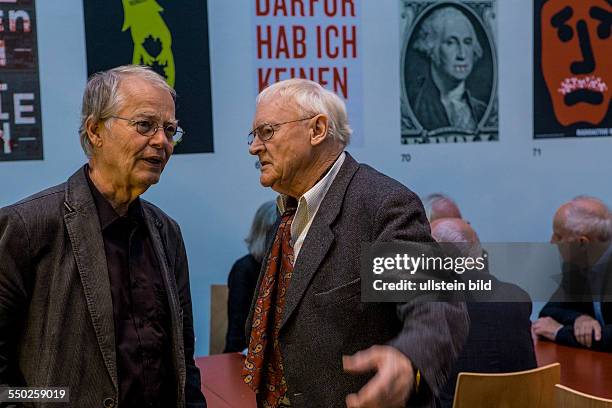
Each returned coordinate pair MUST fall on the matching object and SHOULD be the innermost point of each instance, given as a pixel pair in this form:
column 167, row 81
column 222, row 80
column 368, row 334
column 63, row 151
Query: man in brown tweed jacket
column 320, row 345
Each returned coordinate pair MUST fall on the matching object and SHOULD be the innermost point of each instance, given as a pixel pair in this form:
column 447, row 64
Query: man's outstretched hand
column 392, row 384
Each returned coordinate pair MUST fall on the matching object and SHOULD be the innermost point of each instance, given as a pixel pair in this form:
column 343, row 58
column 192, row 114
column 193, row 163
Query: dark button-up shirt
column 140, row 307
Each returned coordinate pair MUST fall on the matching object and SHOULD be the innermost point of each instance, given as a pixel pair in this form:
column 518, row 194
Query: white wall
column 506, row 192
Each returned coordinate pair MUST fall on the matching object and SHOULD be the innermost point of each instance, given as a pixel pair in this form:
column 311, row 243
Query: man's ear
column 319, row 130
column 93, row 132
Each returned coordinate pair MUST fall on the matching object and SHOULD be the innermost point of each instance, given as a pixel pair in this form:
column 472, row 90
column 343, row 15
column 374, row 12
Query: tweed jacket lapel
column 319, row 237
column 83, row 226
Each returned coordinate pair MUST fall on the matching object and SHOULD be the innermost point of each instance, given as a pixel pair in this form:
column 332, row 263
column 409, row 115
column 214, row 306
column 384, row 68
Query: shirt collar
column 311, row 200
column 106, row 213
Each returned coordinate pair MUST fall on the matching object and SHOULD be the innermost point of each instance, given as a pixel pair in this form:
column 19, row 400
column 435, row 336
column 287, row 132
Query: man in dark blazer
column 494, row 344
column 579, row 313
column 313, row 343
column 94, row 283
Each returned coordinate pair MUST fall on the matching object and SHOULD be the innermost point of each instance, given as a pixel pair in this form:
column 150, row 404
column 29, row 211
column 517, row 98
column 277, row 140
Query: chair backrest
column 566, row 397
column 218, row 318
column 531, row 388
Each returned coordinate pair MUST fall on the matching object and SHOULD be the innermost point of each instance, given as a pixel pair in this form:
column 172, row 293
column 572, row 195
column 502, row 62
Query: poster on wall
column 169, row 36
column 448, row 71
column 572, row 68
column 316, row 40
column 20, row 117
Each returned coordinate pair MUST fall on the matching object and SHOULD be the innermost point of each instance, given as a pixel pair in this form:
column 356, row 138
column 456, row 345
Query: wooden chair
column 566, row 397
column 218, row 318
column 531, row 388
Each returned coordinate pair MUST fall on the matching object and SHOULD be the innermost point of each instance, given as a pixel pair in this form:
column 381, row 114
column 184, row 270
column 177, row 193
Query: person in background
column 499, row 338
column 243, row 277
column 580, row 312
column 438, row 205
column 94, row 282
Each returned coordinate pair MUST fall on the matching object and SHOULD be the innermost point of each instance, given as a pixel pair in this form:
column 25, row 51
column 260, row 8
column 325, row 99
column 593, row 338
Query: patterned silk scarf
column 263, row 367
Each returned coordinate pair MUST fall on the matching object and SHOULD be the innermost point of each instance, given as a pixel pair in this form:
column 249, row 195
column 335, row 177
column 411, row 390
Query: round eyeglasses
column 148, row 128
column 265, row 131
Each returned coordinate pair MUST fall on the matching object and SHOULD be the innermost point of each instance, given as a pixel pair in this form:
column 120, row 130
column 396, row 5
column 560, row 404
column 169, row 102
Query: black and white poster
column 448, row 71
column 20, row 117
column 572, row 68
column 169, row 36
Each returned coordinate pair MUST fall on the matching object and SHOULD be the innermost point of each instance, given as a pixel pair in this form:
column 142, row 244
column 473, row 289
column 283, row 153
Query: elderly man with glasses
column 312, row 342
column 94, row 284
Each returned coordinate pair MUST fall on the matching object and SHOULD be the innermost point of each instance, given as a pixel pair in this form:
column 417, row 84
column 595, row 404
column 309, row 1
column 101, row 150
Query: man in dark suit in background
column 94, row 282
column 499, row 340
column 308, row 317
column 580, row 312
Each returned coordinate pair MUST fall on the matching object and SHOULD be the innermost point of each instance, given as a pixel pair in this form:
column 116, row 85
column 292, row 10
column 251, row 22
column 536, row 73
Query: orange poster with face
column 572, row 68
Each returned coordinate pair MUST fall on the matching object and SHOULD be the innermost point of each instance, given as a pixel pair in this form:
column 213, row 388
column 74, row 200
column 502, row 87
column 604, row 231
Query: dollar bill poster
column 448, row 71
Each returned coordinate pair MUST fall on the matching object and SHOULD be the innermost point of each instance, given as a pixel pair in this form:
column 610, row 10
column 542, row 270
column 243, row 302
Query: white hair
column 583, row 220
column 102, row 98
column 312, row 99
column 433, row 198
column 451, row 230
column 431, row 30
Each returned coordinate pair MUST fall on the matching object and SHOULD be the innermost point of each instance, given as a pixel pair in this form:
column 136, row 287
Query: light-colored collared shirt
column 308, row 205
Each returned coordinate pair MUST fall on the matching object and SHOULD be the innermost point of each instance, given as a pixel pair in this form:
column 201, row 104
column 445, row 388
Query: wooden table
column 581, row 369
column 222, row 383
column 584, row 370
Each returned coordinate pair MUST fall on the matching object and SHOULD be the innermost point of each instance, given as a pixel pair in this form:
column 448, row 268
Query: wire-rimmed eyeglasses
column 148, row 128
column 265, row 131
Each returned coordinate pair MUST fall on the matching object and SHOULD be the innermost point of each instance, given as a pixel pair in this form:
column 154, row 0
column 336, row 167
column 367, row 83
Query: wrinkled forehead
column 273, row 109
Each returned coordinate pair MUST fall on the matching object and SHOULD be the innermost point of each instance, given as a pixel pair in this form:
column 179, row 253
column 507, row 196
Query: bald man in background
column 494, row 344
column 578, row 314
column 438, row 205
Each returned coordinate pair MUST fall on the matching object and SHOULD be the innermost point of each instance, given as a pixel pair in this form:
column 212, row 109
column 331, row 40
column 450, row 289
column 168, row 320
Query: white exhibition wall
column 506, row 192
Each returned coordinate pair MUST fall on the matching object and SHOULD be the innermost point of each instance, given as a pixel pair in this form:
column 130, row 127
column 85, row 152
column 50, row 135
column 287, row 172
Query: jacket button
column 109, row 403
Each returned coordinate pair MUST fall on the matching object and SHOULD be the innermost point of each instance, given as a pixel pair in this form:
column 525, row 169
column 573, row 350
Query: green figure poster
column 169, row 36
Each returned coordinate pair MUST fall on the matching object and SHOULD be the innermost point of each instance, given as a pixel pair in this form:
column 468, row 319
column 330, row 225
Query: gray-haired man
column 94, row 284
column 580, row 312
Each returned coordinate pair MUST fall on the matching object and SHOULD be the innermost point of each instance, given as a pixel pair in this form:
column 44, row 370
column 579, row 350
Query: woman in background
column 243, row 277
